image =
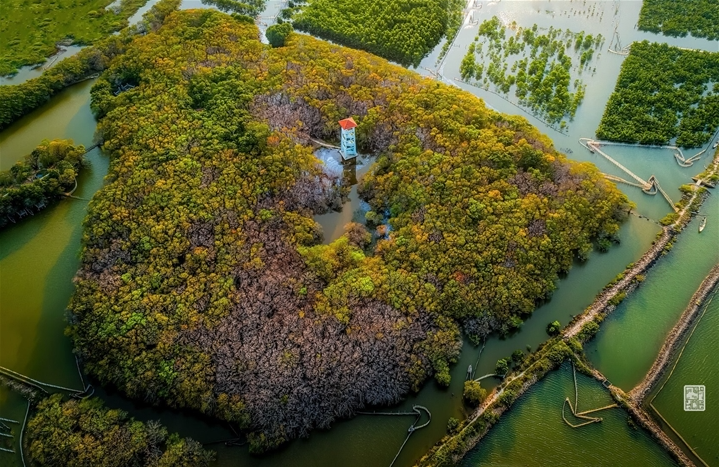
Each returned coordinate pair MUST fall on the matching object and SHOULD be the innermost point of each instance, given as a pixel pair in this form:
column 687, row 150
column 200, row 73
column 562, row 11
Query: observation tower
column 348, row 147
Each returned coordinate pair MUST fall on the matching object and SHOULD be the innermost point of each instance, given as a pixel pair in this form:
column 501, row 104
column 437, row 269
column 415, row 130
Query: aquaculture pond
column 697, row 365
column 630, row 338
column 599, row 77
column 533, row 433
column 38, row 258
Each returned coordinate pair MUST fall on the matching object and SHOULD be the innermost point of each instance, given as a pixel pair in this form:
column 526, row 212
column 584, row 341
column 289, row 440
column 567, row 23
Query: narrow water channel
column 630, row 338
column 38, row 258
column 29, row 72
column 66, row 116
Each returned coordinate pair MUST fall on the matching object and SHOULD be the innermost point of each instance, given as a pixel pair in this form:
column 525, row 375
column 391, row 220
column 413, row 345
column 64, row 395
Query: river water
column 67, row 115
column 28, row 72
column 38, row 258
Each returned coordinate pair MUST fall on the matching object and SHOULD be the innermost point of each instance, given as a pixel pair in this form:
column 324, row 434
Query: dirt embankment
column 648, row 259
column 643, row 419
column 676, row 337
column 598, row 306
column 602, row 301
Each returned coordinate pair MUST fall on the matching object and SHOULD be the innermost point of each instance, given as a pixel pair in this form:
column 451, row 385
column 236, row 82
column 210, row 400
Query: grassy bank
column 31, row 33
column 18, row 100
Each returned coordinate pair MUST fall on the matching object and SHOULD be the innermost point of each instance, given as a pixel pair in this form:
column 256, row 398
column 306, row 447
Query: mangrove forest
column 664, row 93
column 539, row 67
column 398, row 30
column 700, row 18
column 203, row 282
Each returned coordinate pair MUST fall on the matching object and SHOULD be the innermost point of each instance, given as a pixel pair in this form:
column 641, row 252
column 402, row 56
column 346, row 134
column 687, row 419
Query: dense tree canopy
column 277, row 34
column 48, row 171
column 245, row 7
column 400, row 30
column 700, row 18
column 664, row 93
column 203, row 283
column 85, row 433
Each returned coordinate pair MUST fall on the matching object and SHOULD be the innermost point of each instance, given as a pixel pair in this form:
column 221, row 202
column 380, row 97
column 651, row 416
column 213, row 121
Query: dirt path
column 642, row 418
column 601, row 302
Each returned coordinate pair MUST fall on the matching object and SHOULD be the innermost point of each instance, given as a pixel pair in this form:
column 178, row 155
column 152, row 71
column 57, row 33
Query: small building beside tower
column 348, row 147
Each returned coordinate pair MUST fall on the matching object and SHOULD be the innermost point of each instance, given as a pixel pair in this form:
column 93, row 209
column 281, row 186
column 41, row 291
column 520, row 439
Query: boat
column 703, row 224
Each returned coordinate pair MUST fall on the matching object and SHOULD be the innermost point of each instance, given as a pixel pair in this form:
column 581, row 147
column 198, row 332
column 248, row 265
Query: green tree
column 502, row 367
column 452, row 425
column 517, row 356
column 473, row 393
column 277, row 34
column 78, row 433
column 554, row 328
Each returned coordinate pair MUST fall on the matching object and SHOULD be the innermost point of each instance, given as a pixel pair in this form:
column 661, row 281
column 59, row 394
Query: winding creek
column 38, row 258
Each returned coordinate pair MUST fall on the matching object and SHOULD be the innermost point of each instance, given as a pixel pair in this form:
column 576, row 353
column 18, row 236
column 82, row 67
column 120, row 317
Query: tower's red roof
column 347, row 123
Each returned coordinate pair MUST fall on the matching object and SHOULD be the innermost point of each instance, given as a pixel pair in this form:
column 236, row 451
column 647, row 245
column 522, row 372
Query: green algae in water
column 533, row 433
column 697, row 365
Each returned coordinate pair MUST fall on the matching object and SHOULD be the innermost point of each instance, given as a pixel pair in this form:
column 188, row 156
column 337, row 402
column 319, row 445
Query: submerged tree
column 656, row 99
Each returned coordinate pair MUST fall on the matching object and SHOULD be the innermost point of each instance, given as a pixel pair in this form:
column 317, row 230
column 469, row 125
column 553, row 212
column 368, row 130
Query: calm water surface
column 534, row 434
column 697, row 365
column 67, row 115
column 630, row 338
column 28, row 72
